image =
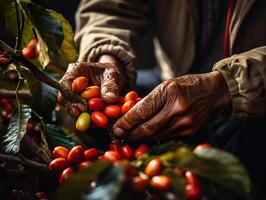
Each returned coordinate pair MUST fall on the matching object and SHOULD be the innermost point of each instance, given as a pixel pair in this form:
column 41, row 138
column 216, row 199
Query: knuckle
column 125, row 123
column 146, row 129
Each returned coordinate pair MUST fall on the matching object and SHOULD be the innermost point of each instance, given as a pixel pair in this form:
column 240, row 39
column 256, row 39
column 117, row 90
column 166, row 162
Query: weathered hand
column 176, row 107
column 105, row 74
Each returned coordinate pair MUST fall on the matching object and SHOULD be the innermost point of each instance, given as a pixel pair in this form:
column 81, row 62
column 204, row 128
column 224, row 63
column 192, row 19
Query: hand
column 105, row 73
column 177, row 107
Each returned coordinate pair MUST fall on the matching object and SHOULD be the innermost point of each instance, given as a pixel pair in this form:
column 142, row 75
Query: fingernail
column 118, row 132
column 110, row 94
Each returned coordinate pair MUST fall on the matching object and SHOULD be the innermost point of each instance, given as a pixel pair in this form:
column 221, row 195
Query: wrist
column 221, row 90
column 107, row 58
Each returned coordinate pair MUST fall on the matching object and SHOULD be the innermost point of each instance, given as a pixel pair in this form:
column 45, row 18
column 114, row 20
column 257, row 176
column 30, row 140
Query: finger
column 140, row 113
column 184, row 132
column 110, row 85
column 178, row 123
column 150, row 127
column 73, row 110
column 180, row 126
column 66, row 81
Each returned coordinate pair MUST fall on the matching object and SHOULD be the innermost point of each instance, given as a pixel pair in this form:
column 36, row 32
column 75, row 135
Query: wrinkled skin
column 105, row 74
column 177, row 107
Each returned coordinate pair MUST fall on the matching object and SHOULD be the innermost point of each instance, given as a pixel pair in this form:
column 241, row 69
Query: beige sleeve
column 245, row 75
column 110, row 27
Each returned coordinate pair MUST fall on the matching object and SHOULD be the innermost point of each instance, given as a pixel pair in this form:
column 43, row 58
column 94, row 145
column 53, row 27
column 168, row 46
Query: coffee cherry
column 127, row 152
column 112, row 156
column 84, row 164
column 192, row 190
column 37, row 129
column 139, row 184
column 79, row 84
column 37, row 49
column 65, row 174
column 60, row 152
column 113, row 111
column 90, row 92
column 140, row 150
column 76, row 154
column 91, row 154
column 202, row 146
column 132, row 95
column 115, row 145
column 83, row 122
column 127, row 106
column 32, row 44
column 154, row 167
column 161, row 182
column 58, row 164
column 96, row 103
column 28, row 53
column 99, row 119
column 137, row 99
column 40, row 195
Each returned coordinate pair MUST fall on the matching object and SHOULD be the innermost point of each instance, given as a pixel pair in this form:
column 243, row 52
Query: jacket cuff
column 113, row 47
column 246, row 103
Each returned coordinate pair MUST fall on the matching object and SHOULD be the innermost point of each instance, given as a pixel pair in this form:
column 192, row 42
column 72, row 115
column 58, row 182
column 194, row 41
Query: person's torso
column 180, row 40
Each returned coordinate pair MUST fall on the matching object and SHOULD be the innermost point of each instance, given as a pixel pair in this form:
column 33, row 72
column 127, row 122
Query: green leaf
column 109, row 185
column 78, row 183
column 216, row 165
column 68, row 49
column 54, row 33
column 8, row 10
column 232, row 169
column 16, row 129
column 57, row 137
column 177, row 181
column 48, row 30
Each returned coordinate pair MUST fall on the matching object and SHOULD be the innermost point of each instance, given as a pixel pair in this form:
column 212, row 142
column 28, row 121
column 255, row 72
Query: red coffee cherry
column 99, row 119
column 154, row 167
column 115, row 145
column 65, row 174
column 32, row 44
column 79, row 84
column 161, row 182
column 127, row 106
column 40, row 195
column 113, row 111
column 37, row 49
column 28, row 53
column 91, row 154
column 132, row 95
column 76, row 154
column 91, row 91
column 202, row 146
column 192, row 190
column 141, row 149
column 112, row 156
column 58, row 164
column 139, row 184
column 84, row 164
column 127, row 152
column 96, row 103
column 137, row 99
column 60, row 152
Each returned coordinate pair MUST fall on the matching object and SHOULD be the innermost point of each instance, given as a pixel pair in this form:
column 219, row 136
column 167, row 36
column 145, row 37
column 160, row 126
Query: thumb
column 110, row 85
